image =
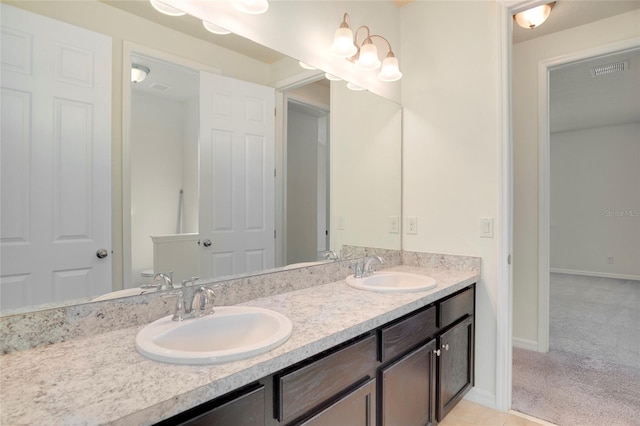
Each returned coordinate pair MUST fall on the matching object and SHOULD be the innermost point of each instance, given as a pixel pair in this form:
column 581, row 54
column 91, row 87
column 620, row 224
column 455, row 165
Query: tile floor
column 468, row 413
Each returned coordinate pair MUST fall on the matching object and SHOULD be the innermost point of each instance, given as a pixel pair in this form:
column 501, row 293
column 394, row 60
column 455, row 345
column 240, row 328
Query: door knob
column 102, row 253
column 206, row 243
column 445, row 347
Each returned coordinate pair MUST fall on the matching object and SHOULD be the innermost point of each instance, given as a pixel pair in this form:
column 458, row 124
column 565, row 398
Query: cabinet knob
column 445, row 347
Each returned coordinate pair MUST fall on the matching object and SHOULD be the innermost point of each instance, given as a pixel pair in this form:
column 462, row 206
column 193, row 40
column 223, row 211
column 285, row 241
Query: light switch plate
column 394, row 224
column 340, row 223
column 412, row 225
column 486, row 227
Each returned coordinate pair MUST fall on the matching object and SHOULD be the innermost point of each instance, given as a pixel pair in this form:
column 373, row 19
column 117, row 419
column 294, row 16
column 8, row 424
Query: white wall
column 365, row 135
column 450, row 95
column 595, row 201
column 526, row 56
column 156, row 174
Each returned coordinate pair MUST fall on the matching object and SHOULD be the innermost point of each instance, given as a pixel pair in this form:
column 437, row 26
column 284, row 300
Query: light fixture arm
column 390, row 52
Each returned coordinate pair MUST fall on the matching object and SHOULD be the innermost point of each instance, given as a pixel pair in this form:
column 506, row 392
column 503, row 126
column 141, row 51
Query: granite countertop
column 104, row 380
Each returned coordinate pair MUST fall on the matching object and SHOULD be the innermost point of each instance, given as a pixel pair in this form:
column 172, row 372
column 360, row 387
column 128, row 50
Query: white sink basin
column 231, row 333
column 391, row 281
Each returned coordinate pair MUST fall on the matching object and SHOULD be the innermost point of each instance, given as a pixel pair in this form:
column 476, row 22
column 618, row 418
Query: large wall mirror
column 324, row 174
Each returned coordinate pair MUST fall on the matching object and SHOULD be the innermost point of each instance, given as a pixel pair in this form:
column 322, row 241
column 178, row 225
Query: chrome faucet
column 331, row 255
column 168, row 280
column 167, row 283
column 368, row 265
column 201, row 303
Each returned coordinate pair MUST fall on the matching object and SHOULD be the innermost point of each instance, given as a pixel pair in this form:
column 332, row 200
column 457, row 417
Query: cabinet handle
column 437, row 352
column 445, row 347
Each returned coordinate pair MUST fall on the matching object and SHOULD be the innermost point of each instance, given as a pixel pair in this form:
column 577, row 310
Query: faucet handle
column 191, row 281
column 357, row 266
column 202, row 303
column 179, row 310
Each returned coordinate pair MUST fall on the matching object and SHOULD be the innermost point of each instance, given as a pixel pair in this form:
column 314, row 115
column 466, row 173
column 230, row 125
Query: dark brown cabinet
column 358, row 408
column 408, row 389
column 455, row 365
column 409, row 372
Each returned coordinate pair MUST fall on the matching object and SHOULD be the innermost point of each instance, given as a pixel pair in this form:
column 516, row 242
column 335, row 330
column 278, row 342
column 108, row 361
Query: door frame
column 122, row 265
column 544, row 172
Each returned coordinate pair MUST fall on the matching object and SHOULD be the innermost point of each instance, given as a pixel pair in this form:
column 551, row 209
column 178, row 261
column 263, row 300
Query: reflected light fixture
column 253, row 7
column 212, row 28
column 365, row 53
column 306, row 66
column 534, row 17
column 355, row 87
column 331, row 77
column 166, row 9
column 139, row 73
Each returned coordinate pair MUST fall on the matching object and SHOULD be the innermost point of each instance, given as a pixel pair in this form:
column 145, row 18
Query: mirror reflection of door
column 55, row 238
column 307, row 182
column 200, row 206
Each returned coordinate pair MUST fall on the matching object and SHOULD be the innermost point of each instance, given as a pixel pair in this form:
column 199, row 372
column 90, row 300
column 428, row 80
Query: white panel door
column 237, row 201
column 55, row 161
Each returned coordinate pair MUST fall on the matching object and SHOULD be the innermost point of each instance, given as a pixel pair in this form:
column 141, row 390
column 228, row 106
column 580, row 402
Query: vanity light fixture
column 212, row 28
column 165, row 8
column 535, row 16
column 253, row 7
column 139, row 73
column 365, row 53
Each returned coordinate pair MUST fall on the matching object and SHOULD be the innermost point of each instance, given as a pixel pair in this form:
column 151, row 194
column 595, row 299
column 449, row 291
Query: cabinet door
column 245, row 410
column 358, row 408
column 408, row 389
column 455, row 365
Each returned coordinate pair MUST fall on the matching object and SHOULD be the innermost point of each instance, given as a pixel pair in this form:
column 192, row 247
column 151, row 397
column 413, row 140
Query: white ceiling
column 578, row 100
column 166, row 80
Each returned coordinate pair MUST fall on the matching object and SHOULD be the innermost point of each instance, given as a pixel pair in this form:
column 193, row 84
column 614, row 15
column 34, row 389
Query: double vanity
column 338, row 352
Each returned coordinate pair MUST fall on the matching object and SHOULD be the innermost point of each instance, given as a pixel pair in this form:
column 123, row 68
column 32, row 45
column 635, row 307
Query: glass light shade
column 343, row 46
column 212, row 28
column 533, row 17
column 138, row 73
column 252, row 7
column 306, row 66
column 368, row 59
column 166, row 9
column 390, row 70
column 331, row 77
column 355, row 87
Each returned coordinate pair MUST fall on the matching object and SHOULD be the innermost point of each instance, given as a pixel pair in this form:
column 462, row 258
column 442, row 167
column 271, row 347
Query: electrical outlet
column 394, row 224
column 412, row 225
column 610, row 260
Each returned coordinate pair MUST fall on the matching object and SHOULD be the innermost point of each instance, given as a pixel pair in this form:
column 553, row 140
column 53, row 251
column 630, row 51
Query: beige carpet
column 568, row 390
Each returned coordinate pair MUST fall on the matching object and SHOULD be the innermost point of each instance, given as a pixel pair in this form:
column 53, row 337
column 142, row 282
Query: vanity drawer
column 310, row 385
column 456, row 307
column 406, row 333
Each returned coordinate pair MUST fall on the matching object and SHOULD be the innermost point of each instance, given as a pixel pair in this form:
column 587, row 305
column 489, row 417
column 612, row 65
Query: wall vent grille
column 609, row 68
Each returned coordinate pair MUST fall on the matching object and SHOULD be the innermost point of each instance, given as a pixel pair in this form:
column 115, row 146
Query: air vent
column 159, row 87
column 609, row 68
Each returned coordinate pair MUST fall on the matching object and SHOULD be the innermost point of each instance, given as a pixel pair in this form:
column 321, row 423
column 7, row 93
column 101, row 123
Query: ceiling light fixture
column 354, row 87
column 331, row 77
column 212, row 28
column 166, row 9
column 534, row 17
column 365, row 53
column 253, row 7
column 139, row 73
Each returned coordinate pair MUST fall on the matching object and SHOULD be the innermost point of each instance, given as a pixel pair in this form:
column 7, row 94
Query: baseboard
column 530, row 345
column 482, row 397
column 595, row 274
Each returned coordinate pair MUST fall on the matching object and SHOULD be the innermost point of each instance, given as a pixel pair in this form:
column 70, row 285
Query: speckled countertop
column 104, row 380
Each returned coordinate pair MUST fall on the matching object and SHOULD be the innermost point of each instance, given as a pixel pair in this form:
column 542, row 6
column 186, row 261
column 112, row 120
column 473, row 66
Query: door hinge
column 274, row 234
column 274, row 173
column 275, row 112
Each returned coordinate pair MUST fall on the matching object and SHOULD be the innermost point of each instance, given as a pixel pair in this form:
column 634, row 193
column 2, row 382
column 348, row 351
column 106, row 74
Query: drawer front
column 407, row 333
column 456, row 307
column 307, row 387
column 245, row 410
